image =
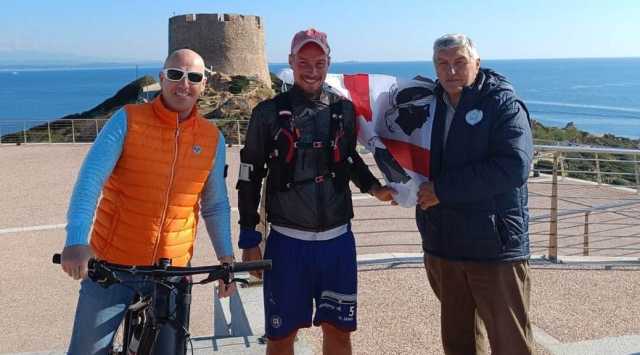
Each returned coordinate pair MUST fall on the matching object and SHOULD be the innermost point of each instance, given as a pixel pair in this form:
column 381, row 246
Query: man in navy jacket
column 473, row 215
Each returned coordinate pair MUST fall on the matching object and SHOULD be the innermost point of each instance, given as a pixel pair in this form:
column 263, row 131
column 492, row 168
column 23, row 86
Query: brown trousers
column 480, row 300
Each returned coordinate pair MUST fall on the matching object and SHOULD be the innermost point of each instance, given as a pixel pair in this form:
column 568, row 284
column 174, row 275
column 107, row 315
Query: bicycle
column 146, row 315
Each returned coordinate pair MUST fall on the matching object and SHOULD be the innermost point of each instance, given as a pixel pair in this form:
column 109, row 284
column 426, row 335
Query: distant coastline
column 85, row 66
column 600, row 96
column 15, row 66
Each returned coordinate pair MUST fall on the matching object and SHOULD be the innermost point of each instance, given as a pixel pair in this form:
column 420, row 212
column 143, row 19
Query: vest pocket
column 277, row 178
column 341, row 179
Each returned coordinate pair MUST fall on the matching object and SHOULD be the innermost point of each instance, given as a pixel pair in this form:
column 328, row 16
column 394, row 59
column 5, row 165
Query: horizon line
column 149, row 63
column 490, row 59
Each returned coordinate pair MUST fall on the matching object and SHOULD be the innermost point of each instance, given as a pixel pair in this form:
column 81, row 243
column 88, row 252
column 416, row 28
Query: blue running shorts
column 308, row 272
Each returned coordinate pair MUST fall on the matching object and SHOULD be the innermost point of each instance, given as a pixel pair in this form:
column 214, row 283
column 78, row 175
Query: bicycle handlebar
column 178, row 270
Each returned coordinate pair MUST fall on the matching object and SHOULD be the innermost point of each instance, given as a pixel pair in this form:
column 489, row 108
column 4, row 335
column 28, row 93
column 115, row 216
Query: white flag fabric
column 394, row 119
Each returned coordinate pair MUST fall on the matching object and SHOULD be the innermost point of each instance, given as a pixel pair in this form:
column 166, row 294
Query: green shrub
column 239, row 83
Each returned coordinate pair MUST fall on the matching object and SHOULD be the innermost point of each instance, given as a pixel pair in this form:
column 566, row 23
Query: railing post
column 598, row 170
column 585, row 244
column 97, row 129
column 0, row 135
column 238, row 131
column 49, row 131
column 553, row 220
column 562, row 169
column 24, row 131
column 73, row 131
column 635, row 157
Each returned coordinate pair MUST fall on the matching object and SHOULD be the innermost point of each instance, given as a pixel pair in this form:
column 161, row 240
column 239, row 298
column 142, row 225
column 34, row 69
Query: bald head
column 184, row 57
column 180, row 92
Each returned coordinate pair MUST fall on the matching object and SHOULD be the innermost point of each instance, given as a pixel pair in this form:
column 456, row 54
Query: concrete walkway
column 238, row 323
column 579, row 306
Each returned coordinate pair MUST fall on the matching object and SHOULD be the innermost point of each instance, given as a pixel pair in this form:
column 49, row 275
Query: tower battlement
column 229, row 43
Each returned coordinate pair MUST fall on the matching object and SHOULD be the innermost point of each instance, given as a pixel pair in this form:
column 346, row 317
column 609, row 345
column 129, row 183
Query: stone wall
column 230, row 44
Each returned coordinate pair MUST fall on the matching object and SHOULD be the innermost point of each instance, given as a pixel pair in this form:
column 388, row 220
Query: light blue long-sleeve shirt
column 98, row 166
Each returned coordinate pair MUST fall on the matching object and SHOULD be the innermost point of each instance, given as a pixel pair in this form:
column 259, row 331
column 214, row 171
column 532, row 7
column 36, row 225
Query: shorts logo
column 276, row 321
column 197, row 149
column 342, row 305
column 473, row 117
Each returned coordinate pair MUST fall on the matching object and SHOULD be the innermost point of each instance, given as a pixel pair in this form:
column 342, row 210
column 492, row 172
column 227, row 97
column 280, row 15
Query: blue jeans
column 101, row 310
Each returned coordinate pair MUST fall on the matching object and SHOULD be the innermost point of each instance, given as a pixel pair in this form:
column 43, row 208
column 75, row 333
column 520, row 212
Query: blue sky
column 364, row 30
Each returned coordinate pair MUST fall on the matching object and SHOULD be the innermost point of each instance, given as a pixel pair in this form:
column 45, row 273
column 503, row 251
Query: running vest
column 150, row 203
column 286, row 142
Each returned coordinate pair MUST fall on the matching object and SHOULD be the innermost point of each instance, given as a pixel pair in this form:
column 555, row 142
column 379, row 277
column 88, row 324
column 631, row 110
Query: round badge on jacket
column 197, row 149
column 473, row 117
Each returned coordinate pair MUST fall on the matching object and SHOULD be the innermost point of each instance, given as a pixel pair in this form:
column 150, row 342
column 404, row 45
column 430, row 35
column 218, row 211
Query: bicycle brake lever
column 103, row 276
column 239, row 280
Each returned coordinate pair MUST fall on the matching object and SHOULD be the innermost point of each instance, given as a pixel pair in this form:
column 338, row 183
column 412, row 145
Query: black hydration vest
column 285, row 143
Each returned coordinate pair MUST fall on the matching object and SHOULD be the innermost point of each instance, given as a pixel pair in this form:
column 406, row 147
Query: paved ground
column 577, row 307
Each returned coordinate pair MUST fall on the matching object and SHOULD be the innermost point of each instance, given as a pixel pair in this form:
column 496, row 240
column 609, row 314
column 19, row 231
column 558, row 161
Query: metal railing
column 583, row 200
column 49, row 132
column 86, row 131
column 586, row 201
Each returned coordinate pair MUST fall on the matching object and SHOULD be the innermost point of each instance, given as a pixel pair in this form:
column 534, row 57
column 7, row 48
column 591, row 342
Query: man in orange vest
column 155, row 165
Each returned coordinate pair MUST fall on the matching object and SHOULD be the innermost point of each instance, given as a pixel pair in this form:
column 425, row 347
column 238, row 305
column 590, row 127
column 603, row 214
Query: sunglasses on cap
column 175, row 74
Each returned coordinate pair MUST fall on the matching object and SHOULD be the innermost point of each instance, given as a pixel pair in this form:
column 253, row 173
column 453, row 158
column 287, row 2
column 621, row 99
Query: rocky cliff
column 227, row 99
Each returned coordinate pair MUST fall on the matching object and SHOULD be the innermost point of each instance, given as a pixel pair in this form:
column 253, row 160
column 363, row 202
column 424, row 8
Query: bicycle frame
column 148, row 314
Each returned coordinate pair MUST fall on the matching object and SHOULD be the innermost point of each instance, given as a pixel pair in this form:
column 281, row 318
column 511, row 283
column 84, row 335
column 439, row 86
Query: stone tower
column 230, row 44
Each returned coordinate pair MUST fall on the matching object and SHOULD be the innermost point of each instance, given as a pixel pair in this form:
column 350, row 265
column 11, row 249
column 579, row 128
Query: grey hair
column 453, row 40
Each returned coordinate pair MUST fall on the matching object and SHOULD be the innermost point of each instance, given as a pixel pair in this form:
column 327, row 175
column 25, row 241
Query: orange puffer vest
column 150, row 203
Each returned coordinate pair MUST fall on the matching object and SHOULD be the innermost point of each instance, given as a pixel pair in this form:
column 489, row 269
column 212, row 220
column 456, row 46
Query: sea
column 598, row 95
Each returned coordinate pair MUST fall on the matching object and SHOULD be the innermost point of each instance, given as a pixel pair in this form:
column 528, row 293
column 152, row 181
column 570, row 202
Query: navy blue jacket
column 480, row 176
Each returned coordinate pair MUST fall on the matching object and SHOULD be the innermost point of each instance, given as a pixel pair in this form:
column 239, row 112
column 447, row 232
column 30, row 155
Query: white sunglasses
column 176, row 74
